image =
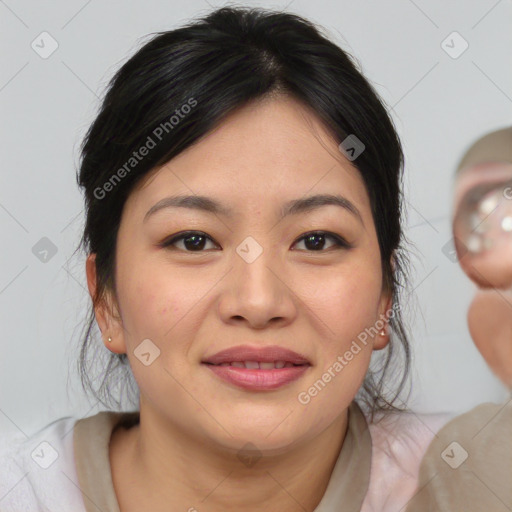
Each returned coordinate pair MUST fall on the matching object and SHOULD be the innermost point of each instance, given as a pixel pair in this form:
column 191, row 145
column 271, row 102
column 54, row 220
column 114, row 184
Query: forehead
column 268, row 150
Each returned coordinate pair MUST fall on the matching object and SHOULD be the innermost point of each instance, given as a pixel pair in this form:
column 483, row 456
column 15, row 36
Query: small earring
column 383, row 332
column 109, row 339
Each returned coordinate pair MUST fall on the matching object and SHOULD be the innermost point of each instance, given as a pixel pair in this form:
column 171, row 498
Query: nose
column 257, row 293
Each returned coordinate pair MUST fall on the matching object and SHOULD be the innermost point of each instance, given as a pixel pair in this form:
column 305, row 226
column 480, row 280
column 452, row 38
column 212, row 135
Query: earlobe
column 381, row 339
column 114, row 345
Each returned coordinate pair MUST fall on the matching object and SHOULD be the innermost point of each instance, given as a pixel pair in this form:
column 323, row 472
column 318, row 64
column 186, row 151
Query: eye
column 193, row 241
column 315, row 241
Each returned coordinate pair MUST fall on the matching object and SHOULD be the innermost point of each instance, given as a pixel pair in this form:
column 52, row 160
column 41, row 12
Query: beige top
column 468, row 466
column 65, row 465
column 91, row 436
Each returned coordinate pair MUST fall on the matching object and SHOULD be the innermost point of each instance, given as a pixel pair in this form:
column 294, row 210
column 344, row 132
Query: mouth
column 257, row 368
column 259, row 365
column 257, row 357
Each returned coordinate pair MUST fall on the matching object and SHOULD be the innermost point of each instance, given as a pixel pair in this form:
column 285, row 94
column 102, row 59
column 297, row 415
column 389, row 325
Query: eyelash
column 339, row 241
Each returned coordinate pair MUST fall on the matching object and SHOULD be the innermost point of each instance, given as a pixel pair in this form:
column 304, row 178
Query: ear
column 381, row 339
column 105, row 311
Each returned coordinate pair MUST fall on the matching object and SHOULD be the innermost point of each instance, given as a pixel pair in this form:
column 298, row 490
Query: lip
column 257, row 379
column 260, row 354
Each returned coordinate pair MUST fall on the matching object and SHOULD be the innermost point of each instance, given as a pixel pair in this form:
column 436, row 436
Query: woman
column 243, row 231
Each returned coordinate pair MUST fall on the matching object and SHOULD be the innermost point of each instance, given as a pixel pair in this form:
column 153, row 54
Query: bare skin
column 184, row 454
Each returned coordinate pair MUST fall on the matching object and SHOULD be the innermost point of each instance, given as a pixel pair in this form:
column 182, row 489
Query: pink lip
column 257, row 379
column 260, row 354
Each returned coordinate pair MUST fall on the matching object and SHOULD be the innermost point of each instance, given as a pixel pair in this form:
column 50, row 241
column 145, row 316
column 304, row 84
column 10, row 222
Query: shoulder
column 37, row 472
column 399, row 442
column 469, row 463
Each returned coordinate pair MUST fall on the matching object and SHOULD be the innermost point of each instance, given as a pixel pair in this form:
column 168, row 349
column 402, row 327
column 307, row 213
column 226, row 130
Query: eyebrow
column 294, row 207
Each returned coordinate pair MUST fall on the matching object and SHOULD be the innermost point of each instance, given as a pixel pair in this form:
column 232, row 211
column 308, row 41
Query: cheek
column 347, row 300
column 353, row 309
column 151, row 300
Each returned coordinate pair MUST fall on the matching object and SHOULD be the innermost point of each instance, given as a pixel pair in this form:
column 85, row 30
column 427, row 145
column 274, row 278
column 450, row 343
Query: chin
column 273, row 434
column 249, row 442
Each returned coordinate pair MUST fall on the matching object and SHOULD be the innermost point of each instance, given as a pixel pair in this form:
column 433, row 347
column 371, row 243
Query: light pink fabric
column 399, row 442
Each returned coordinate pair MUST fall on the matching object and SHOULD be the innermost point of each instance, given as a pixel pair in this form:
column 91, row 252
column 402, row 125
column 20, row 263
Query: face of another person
column 482, row 227
column 249, row 278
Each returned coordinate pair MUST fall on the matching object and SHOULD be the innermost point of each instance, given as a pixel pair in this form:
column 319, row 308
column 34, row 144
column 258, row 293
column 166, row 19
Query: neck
column 156, row 464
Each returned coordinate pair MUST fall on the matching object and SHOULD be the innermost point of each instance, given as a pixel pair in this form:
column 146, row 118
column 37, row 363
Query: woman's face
column 249, row 278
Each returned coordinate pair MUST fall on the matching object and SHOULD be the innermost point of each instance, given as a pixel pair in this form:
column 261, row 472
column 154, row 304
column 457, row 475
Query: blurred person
column 468, row 465
column 482, row 228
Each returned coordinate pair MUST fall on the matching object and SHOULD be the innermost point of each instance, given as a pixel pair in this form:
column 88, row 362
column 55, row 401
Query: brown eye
column 315, row 241
column 193, row 241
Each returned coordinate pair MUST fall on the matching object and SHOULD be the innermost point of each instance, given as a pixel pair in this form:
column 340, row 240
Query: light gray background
column 440, row 105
